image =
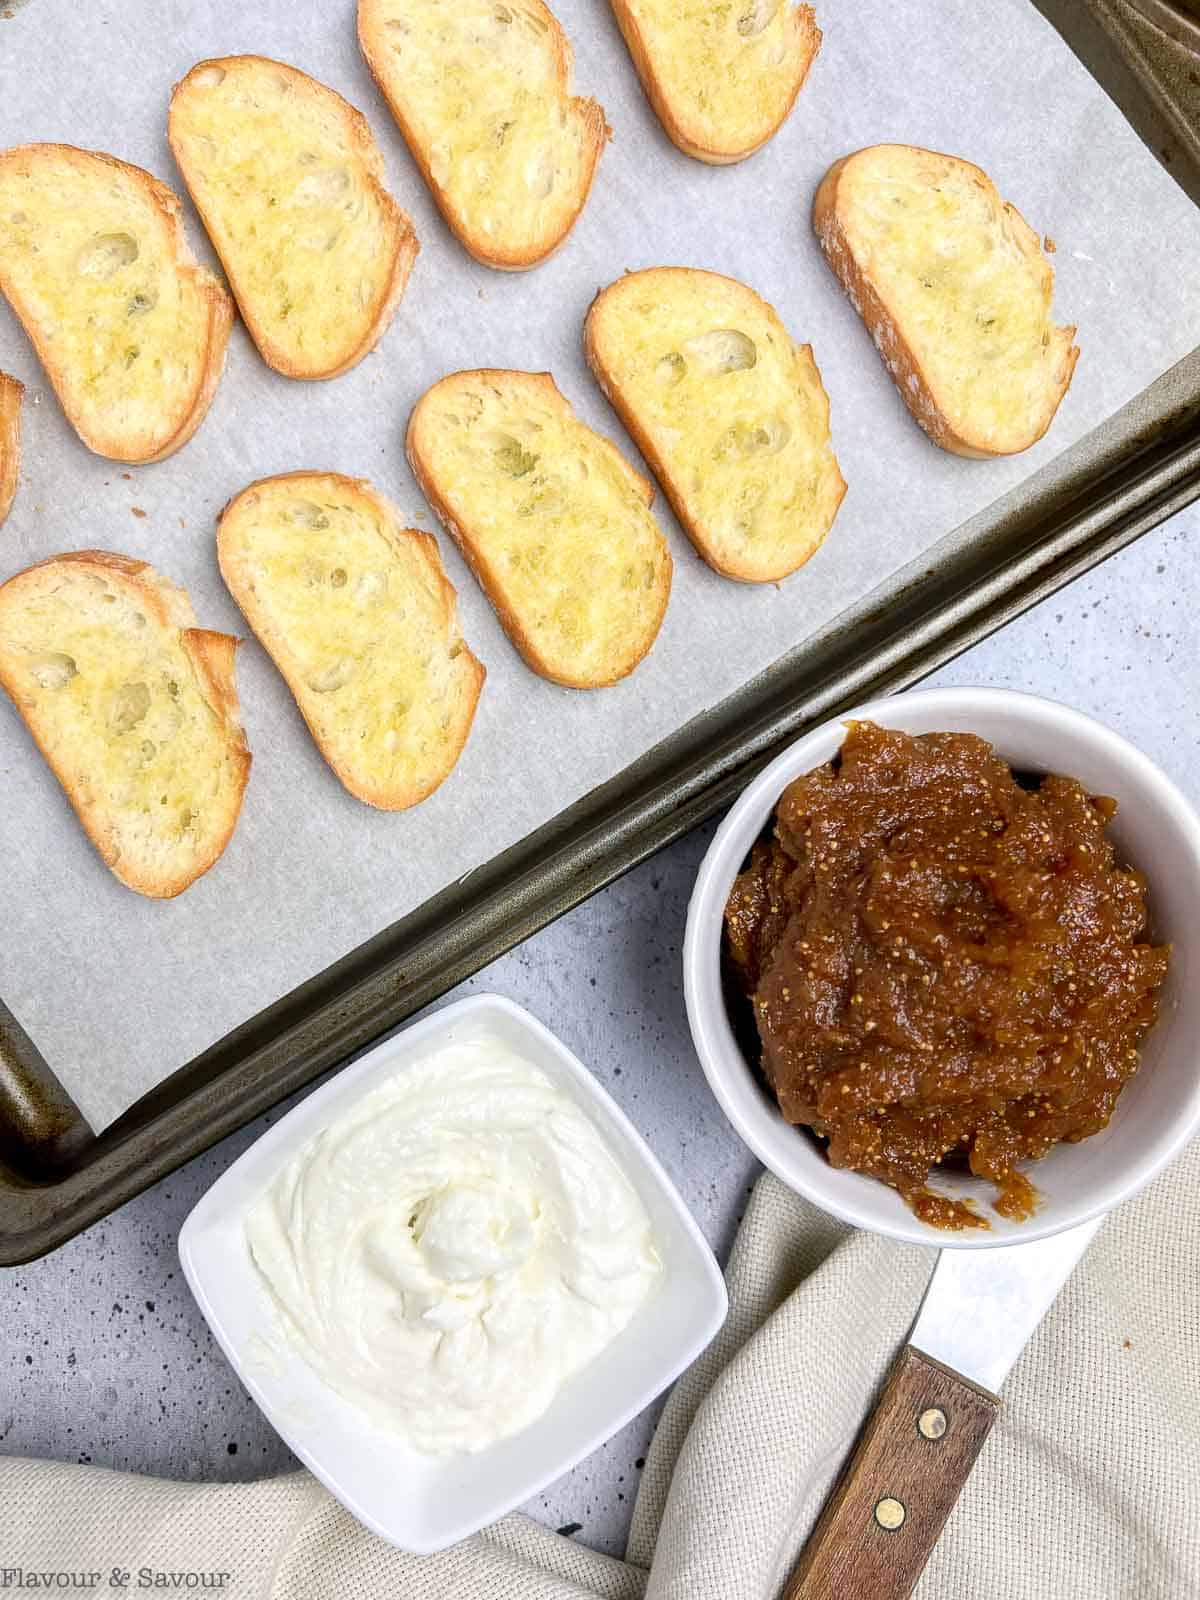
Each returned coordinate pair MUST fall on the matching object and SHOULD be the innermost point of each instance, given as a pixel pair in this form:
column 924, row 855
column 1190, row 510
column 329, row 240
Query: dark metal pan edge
column 1144, row 54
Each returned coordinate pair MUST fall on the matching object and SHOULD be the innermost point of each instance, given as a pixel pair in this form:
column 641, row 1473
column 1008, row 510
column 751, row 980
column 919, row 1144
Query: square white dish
column 418, row 1502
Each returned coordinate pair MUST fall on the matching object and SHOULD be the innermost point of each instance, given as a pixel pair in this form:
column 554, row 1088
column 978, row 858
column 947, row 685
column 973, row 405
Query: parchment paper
column 118, row 991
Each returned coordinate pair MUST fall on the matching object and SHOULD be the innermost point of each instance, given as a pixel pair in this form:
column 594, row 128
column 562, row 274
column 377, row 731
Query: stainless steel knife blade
column 982, row 1306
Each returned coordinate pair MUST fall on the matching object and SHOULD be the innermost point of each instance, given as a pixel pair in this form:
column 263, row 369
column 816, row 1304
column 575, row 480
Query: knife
column 936, row 1410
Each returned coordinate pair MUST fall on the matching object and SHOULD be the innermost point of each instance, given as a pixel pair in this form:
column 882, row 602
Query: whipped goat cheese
column 454, row 1247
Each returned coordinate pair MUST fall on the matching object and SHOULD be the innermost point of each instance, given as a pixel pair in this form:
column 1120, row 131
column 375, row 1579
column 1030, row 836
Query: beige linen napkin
column 1089, row 1488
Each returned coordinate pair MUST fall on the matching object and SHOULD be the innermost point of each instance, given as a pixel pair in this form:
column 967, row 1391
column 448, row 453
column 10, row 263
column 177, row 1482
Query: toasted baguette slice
column 135, row 709
column 482, row 92
column 289, row 182
column 721, row 78
column 11, row 395
column 953, row 286
column 360, row 619
column 552, row 519
column 730, row 414
column 131, row 331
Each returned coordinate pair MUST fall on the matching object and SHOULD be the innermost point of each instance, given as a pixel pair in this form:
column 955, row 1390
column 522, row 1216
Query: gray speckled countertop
column 105, row 1357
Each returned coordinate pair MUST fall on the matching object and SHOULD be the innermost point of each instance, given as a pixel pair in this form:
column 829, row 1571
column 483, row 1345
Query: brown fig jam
column 943, row 964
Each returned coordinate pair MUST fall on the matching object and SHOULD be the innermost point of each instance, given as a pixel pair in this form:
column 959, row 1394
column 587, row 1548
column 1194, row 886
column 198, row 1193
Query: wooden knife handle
column 887, row 1510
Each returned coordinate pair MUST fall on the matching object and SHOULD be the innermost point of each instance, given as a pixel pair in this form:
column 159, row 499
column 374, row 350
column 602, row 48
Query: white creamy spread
column 455, row 1246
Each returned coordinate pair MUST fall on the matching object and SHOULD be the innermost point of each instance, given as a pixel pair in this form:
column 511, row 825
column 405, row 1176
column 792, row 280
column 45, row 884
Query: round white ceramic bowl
column 1155, row 829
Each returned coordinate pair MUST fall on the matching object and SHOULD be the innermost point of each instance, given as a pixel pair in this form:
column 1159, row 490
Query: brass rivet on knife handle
column 884, row 1516
column 931, row 1424
column 890, row 1513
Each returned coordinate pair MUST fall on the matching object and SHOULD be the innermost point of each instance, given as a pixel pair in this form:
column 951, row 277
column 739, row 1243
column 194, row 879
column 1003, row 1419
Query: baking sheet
column 118, row 991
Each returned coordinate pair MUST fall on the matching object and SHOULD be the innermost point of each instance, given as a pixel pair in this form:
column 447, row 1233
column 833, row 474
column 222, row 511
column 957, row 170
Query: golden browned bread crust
column 551, row 519
column 298, row 170
column 698, row 70
column 730, row 414
column 359, row 616
column 524, row 197
column 11, row 395
column 134, row 708
column 127, row 408
column 978, row 419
